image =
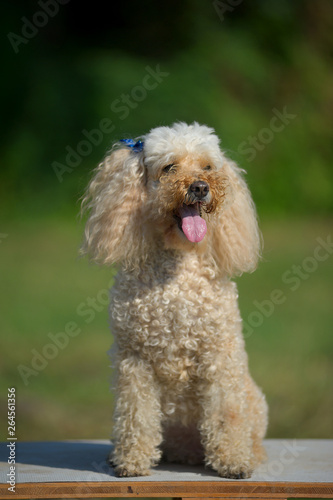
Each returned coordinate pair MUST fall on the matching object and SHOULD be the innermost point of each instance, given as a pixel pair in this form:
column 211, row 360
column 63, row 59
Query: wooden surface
column 78, row 469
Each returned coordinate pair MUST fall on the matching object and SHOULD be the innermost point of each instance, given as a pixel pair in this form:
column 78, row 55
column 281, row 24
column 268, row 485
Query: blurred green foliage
column 230, row 68
column 43, row 285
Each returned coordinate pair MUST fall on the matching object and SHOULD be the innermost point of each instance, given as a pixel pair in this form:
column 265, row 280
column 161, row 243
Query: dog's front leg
column 226, row 427
column 137, row 419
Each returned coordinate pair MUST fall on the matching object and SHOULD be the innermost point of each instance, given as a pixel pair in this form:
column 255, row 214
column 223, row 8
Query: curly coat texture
column 183, row 386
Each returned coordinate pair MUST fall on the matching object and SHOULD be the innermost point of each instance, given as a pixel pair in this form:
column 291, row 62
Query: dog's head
column 185, row 182
column 175, row 189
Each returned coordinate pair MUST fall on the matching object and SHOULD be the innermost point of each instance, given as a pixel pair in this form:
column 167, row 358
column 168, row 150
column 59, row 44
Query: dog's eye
column 168, row 168
column 208, row 167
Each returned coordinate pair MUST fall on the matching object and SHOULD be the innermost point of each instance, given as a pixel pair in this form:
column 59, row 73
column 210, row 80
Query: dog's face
column 186, row 187
column 178, row 190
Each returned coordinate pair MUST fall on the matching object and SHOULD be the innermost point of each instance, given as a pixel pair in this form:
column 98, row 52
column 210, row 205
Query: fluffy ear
column 114, row 200
column 236, row 238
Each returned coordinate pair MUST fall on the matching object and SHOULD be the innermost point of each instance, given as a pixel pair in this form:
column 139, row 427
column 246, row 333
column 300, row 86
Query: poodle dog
column 177, row 217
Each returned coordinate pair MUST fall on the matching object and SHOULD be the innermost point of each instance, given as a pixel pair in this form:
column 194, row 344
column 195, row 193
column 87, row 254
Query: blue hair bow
column 135, row 146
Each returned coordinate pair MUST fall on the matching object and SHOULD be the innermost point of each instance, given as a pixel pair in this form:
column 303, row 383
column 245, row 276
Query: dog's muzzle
column 189, row 217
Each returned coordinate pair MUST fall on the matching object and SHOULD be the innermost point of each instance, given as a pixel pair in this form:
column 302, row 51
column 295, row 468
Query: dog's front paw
column 130, row 471
column 234, row 472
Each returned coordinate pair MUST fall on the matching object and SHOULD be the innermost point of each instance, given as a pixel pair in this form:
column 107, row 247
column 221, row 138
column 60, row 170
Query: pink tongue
column 193, row 226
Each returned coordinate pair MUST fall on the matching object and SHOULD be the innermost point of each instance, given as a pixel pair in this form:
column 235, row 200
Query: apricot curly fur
column 183, row 387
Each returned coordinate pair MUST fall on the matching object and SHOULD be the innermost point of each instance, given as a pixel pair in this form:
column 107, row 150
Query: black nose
column 200, row 189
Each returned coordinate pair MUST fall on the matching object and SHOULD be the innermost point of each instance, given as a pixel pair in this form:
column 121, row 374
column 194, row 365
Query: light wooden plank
column 128, row 489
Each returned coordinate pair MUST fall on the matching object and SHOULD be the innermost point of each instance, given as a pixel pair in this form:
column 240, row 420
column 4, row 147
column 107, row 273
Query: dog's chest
column 171, row 323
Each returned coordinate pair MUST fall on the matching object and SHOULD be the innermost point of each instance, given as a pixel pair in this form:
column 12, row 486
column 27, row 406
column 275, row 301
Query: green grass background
column 43, row 282
column 230, row 72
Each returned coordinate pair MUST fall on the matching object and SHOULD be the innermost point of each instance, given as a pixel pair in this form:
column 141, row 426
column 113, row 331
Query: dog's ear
column 236, row 237
column 114, row 201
